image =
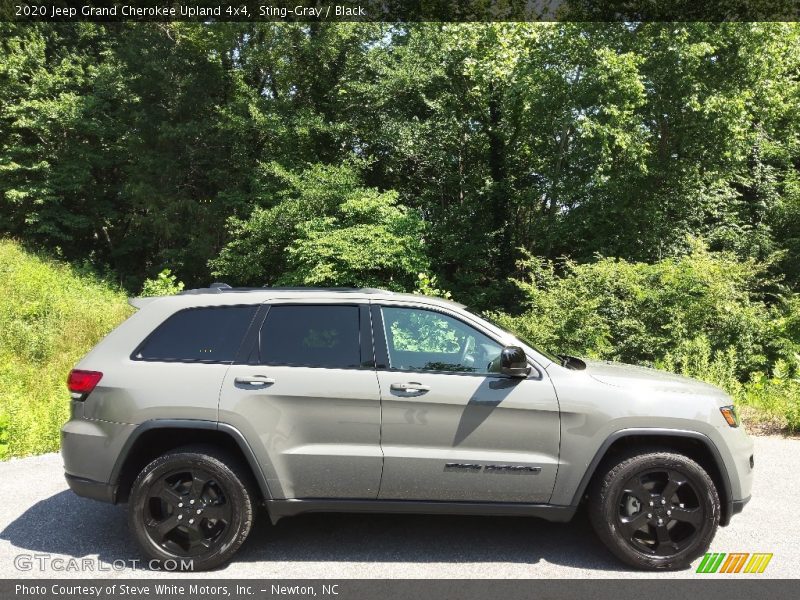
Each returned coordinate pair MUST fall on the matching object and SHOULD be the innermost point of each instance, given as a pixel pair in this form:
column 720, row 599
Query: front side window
column 311, row 336
column 209, row 334
column 426, row 340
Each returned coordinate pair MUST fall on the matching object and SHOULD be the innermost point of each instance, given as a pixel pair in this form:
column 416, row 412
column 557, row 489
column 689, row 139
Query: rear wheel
column 656, row 510
column 191, row 509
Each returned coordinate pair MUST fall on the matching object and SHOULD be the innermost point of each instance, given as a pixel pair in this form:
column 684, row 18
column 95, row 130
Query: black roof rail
column 219, row 287
column 364, row 290
column 215, row 287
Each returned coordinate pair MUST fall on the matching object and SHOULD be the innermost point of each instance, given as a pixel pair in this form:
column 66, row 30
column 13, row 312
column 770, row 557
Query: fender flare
column 193, row 424
column 727, row 507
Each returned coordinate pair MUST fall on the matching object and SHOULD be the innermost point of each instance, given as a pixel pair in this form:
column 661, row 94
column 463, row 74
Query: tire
column 191, row 509
column 666, row 535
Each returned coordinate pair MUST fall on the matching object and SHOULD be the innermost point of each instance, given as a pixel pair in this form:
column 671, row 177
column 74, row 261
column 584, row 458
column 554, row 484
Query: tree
column 326, row 230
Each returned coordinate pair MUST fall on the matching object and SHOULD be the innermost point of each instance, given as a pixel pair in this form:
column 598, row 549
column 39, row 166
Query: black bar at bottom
column 731, row 588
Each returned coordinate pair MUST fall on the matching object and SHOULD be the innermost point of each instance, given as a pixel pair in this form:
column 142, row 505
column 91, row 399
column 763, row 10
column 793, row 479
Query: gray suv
column 202, row 406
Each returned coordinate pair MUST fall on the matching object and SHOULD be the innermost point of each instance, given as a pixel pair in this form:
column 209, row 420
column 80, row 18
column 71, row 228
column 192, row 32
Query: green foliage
column 326, row 230
column 695, row 358
column 5, row 438
column 50, row 315
column 132, row 146
column 638, row 312
column 698, row 315
column 165, row 284
column 427, row 285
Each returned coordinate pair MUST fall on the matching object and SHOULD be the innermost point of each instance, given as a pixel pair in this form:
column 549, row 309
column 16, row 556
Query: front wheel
column 655, row 510
column 191, row 509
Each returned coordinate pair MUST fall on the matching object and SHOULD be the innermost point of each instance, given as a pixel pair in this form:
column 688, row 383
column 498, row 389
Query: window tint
column 311, row 336
column 426, row 340
column 210, row 334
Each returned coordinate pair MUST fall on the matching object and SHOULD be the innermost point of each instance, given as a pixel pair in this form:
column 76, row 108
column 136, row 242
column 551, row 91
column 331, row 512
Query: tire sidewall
column 233, row 490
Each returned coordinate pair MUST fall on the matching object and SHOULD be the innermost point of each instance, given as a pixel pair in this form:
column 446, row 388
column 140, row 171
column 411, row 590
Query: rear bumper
column 90, row 448
column 89, row 488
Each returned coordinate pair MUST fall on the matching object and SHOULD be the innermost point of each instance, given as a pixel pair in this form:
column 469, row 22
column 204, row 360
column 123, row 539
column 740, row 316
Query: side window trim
column 365, row 337
column 379, row 338
column 155, row 330
column 248, row 351
column 382, row 360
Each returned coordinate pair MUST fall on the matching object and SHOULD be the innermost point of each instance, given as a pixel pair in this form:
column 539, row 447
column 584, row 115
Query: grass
column 51, row 314
column 770, row 406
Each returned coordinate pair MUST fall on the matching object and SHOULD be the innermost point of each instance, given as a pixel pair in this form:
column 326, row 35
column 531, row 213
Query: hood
column 643, row 378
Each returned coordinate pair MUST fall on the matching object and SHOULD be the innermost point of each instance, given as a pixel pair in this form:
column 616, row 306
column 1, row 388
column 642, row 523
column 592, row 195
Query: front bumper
column 738, row 505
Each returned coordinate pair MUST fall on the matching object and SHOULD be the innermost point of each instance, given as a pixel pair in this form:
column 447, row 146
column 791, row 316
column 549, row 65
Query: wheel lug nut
column 669, row 513
column 649, row 515
column 180, row 504
column 180, row 517
column 651, row 503
column 663, row 501
column 191, row 521
column 199, row 510
column 191, row 501
column 660, row 521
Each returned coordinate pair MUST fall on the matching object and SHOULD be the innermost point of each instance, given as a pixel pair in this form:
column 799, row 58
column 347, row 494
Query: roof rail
column 215, row 287
column 219, row 287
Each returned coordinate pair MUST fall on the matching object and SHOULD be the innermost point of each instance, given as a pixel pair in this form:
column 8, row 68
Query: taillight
column 82, row 382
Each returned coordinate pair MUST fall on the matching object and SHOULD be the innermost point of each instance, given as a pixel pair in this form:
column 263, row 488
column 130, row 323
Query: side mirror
column 513, row 362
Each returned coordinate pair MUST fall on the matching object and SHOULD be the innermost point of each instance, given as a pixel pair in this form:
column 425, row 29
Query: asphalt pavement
column 46, row 531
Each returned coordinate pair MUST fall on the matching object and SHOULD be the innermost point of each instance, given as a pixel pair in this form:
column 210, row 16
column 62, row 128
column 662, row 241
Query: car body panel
column 316, row 430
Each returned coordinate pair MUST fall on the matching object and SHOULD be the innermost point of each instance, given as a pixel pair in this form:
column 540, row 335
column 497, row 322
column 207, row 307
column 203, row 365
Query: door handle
column 412, row 386
column 258, row 380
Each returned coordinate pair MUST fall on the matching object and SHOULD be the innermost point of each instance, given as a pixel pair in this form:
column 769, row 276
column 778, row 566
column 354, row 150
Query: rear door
column 309, row 396
column 453, row 431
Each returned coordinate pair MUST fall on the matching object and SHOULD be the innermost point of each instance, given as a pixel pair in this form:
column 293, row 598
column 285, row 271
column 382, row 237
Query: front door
column 451, row 430
column 309, row 394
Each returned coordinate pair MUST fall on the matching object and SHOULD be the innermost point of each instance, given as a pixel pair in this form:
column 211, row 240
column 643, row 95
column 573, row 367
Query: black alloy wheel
column 660, row 512
column 655, row 509
column 191, row 508
column 187, row 512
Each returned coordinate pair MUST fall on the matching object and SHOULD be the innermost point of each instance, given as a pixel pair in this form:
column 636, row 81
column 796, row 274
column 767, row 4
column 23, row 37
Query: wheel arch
column 152, row 438
column 697, row 446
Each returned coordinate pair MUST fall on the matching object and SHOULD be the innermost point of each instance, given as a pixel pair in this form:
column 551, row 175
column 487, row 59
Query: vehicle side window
column 209, row 334
column 427, row 340
column 311, row 336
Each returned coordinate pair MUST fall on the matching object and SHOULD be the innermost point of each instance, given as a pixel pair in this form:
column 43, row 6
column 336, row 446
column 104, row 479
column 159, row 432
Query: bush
column 165, row 284
column 698, row 315
column 50, row 315
column 641, row 313
column 324, row 228
column 772, row 399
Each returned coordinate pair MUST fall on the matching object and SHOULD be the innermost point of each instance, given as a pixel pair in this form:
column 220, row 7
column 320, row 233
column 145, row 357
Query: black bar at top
column 390, row 11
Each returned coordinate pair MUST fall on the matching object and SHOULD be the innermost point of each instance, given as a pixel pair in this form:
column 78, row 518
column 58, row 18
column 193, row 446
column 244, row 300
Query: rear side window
column 211, row 334
column 311, row 336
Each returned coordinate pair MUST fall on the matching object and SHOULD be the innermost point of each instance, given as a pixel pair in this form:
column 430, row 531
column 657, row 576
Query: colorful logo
column 735, row 562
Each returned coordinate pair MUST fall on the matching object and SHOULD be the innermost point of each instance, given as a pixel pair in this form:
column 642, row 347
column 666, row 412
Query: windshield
column 548, row 355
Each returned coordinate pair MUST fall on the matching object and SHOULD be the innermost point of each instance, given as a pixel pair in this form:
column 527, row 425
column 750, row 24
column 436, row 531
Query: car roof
column 221, row 293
